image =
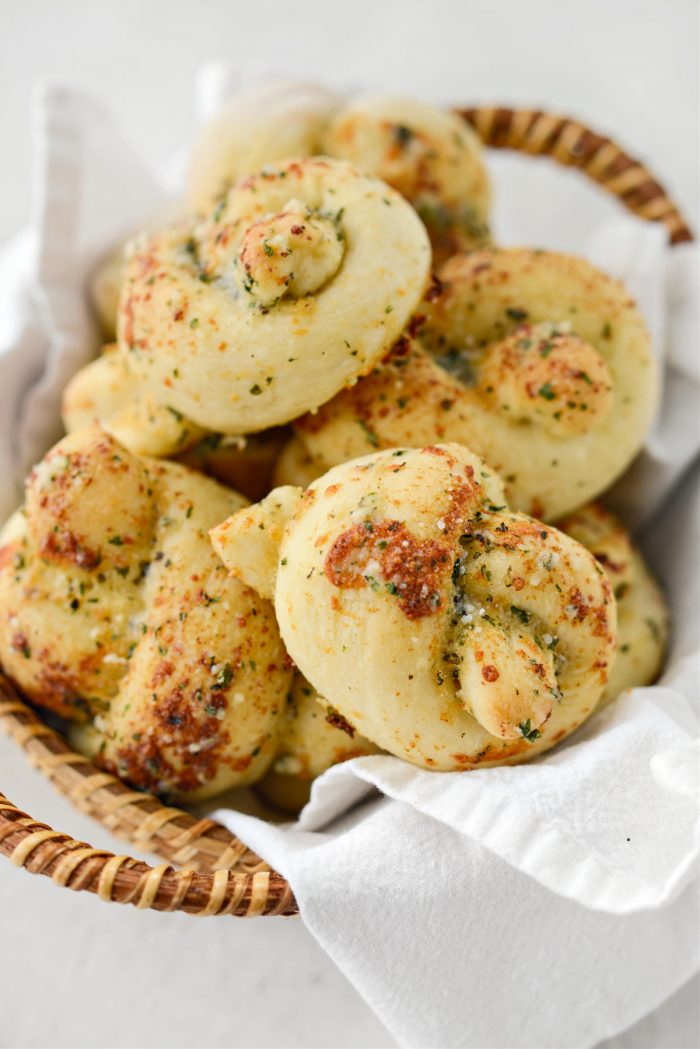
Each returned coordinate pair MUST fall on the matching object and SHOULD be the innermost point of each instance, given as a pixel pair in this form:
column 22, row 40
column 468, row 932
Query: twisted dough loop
column 535, row 360
column 432, row 157
column 443, row 627
column 106, row 394
column 548, row 377
column 289, row 254
column 257, row 127
column 302, row 280
column 116, row 608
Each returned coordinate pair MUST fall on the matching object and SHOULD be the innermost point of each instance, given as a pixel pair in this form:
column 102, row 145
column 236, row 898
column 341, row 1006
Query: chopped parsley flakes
column 528, row 732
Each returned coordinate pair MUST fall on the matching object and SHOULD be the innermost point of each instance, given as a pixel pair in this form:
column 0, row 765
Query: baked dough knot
column 534, row 359
column 432, row 157
column 445, row 627
column 116, row 613
column 256, row 127
column 299, row 282
column 104, row 393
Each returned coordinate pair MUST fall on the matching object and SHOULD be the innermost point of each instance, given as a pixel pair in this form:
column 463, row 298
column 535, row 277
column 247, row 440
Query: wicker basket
column 217, row 873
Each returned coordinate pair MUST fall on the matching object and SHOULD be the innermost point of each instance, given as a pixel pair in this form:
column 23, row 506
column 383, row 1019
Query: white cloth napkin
column 550, row 904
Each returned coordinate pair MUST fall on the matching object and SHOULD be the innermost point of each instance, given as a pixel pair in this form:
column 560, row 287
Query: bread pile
column 422, row 419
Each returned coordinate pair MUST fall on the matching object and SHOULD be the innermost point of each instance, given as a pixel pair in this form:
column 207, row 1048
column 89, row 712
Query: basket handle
column 218, row 873
column 120, row 879
column 572, row 144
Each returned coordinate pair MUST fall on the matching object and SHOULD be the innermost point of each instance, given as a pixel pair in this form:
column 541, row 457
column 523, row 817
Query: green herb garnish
column 528, row 732
column 224, row 677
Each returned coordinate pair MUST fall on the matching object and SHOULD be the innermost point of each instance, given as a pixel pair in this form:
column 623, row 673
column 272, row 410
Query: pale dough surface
column 431, row 156
column 299, row 283
column 226, row 1013
column 445, row 628
column 256, row 127
column 105, row 393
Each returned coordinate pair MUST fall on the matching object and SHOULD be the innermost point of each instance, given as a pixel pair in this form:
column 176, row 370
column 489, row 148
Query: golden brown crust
column 412, row 567
column 533, row 359
column 105, row 393
column 485, row 638
column 119, row 610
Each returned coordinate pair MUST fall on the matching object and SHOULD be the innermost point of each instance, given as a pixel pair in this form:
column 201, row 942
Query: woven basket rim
column 217, row 873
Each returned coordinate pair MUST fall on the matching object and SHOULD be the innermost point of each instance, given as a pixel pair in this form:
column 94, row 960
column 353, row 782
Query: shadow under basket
column 208, row 871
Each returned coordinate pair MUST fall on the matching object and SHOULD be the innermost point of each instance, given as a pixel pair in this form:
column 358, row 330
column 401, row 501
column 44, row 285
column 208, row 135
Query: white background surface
column 74, row 972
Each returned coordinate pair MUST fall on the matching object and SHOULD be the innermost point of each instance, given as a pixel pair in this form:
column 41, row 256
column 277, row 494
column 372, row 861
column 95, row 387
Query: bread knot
column 118, row 615
column 298, row 282
column 533, row 359
column 444, row 627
